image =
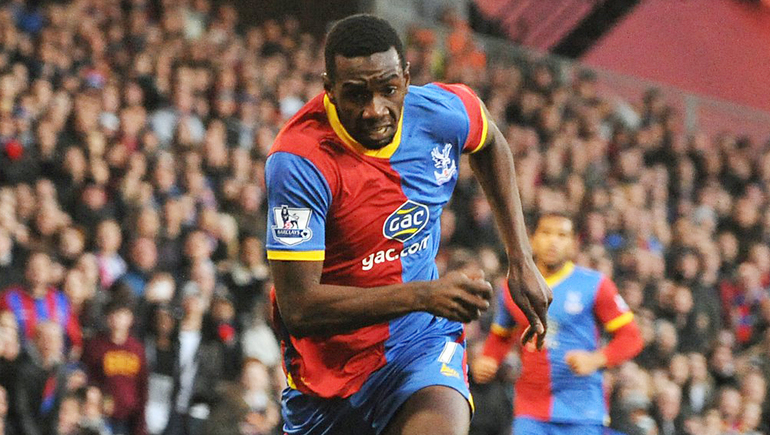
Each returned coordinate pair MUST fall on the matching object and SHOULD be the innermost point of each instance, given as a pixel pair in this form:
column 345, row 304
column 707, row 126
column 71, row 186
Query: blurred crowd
column 133, row 280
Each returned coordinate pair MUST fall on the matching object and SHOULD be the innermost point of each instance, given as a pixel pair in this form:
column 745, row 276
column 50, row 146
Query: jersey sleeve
column 610, row 308
column 298, row 199
column 477, row 119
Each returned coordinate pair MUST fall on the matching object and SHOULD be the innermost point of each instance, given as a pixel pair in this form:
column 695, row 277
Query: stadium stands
column 133, row 137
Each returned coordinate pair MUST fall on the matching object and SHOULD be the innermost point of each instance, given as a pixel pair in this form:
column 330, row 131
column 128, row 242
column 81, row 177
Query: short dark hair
column 360, row 35
column 118, row 302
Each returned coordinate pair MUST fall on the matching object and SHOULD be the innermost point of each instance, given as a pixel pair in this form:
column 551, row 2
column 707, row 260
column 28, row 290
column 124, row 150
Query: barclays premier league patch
column 291, row 225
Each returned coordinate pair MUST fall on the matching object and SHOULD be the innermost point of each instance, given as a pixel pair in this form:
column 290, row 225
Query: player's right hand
column 457, row 296
column 533, row 296
column 483, row 368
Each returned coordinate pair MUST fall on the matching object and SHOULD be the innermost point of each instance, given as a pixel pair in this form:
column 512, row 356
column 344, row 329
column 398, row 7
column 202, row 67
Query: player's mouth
column 379, row 133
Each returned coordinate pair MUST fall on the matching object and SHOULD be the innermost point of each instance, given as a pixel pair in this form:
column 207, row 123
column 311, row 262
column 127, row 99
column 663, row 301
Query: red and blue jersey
column 371, row 216
column 547, row 390
column 29, row 311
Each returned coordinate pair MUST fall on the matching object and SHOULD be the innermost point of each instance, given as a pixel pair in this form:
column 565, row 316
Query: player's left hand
column 584, row 363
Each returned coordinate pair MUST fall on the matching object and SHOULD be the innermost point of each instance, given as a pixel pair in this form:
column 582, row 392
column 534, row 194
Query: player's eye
column 390, row 90
column 361, row 97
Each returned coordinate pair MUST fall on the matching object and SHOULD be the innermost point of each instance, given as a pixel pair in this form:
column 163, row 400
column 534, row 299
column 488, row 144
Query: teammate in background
column 559, row 391
column 373, row 338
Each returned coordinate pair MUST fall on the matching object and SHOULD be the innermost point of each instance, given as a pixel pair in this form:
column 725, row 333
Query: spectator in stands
column 69, row 415
column 160, row 347
column 199, row 368
column 668, row 410
column 170, row 243
column 9, row 349
column 226, row 331
column 37, row 301
column 744, row 301
column 5, row 426
column 729, row 406
column 659, row 353
column 263, row 415
column 11, row 271
column 247, row 279
column 116, row 364
column 92, row 417
column 258, row 340
column 108, row 241
column 699, row 390
column 40, row 383
column 143, row 258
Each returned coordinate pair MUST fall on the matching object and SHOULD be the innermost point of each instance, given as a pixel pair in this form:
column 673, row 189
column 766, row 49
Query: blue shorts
column 528, row 426
column 429, row 361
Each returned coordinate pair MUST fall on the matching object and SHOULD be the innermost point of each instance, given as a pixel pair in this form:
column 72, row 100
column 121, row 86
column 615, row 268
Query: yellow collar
column 556, row 278
column 383, row 153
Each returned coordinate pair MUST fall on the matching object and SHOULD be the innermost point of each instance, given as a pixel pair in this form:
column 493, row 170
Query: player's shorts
column 428, row 361
column 528, row 426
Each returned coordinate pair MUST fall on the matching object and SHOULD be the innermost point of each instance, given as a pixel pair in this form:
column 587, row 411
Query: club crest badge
column 443, row 161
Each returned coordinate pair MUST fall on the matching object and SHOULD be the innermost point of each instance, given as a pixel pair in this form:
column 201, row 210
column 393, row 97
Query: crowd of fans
column 133, row 138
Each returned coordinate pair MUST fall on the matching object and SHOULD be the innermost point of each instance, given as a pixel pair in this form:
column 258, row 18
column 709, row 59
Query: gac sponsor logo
column 406, row 221
column 380, row 257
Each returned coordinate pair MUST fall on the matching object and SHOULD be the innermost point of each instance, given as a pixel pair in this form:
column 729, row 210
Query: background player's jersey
column 547, row 390
column 372, row 217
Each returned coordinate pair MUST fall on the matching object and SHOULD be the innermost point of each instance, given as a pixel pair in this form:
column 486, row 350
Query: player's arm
column 492, row 162
column 311, row 308
column 616, row 319
column 296, row 262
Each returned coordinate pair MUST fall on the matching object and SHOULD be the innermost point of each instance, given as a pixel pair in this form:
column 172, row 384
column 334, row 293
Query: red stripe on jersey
column 473, row 107
column 30, row 314
column 365, row 192
column 534, row 396
column 51, row 305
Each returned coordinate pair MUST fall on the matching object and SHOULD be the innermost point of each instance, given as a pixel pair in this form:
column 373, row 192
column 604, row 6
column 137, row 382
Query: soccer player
column 373, row 340
column 559, row 391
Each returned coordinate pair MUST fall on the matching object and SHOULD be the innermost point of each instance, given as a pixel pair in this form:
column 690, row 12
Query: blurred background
column 133, row 137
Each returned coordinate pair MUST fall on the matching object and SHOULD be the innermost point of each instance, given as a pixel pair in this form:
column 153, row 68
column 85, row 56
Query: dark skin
column 369, row 93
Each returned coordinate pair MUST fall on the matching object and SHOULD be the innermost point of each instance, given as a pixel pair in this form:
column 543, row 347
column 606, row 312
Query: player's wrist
column 600, row 359
column 420, row 297
column 518, row 266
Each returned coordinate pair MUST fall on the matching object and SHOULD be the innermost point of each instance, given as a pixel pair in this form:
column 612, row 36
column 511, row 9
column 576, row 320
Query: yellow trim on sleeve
column 296, row 255
column 619, row 322
column 501, row 331
column 383, row 153
column 484, row 129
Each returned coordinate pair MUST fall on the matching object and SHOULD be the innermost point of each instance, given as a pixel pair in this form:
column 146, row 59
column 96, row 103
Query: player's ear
column 328, row 87
column 407, row 76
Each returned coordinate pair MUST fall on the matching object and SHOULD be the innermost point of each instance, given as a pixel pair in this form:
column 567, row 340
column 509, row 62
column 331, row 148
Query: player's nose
column 375, row 108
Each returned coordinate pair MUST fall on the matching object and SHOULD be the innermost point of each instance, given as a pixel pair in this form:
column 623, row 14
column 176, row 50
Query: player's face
column 553, row 241
column 368, row 92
